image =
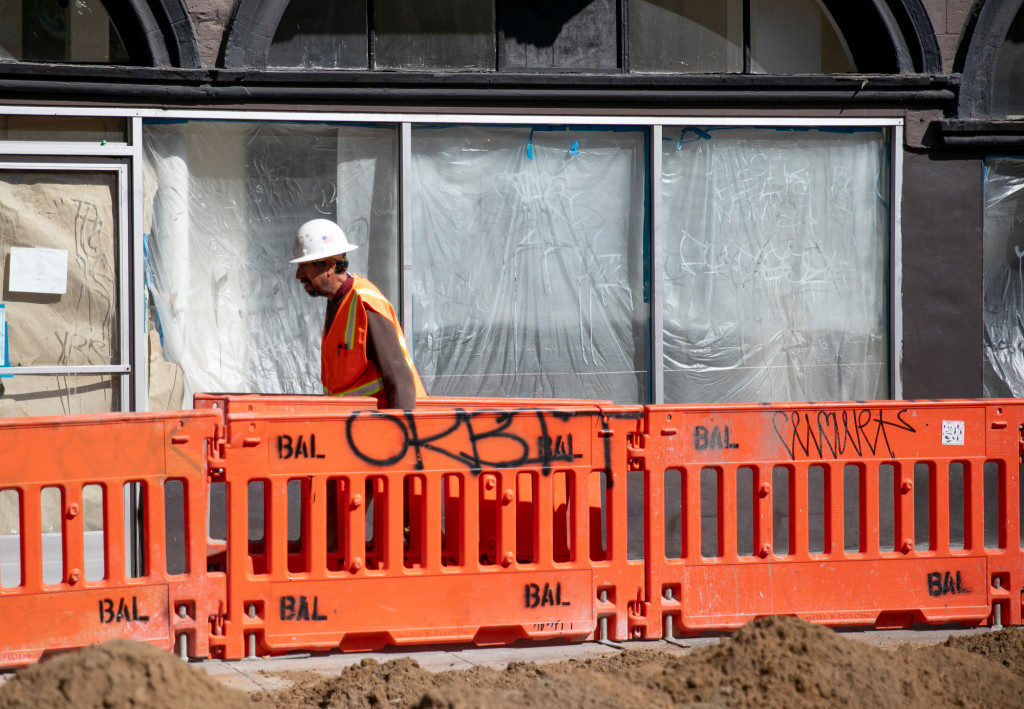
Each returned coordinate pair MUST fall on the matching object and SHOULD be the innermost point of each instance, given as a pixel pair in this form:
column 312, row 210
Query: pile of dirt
column 777, row 661
column 1003, row 646
column 118, row 673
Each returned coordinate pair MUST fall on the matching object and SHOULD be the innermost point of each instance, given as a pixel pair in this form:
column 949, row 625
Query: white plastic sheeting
column 528, row 274
column 227, row 199
column 776, row 264
column 1003, row 277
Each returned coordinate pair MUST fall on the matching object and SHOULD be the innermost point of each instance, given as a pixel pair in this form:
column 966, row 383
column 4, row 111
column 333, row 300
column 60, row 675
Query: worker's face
column 316, row 277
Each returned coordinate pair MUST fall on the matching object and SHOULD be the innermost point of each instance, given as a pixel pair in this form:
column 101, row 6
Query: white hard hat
column 318, row 239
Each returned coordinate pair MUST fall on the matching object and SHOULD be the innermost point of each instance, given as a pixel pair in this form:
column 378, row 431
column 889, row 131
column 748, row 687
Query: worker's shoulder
column 365, row 291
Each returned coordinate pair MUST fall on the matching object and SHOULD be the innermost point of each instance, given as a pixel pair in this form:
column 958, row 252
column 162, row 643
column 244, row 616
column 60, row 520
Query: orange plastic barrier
column 493, row 520
column 86, row 466
column 862, row 458
column 434, row 526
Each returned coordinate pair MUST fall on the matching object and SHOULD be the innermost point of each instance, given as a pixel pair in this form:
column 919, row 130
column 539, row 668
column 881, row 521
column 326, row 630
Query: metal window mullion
column 459, row 118
column 896, row 265
column 371, row 36
column 657, row 305
column 623, row 36
column 92, row 150
column 405, row 232
column 747, row 59
column 124, row 297
column 138, row 381
column 74, row 370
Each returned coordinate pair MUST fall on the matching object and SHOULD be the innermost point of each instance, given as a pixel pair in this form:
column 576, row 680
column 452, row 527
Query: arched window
column 991, row 59
column 759, row 37
column 65, row 32
column 585, row 36
column 119, row 32
column 1008, row 80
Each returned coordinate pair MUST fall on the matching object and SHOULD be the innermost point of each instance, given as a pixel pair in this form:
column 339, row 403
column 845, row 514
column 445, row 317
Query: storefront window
column 528, row 274
column 225, row 202
column 1003, row 277
column 776, row 259
column 58, row 239
column 529, row 257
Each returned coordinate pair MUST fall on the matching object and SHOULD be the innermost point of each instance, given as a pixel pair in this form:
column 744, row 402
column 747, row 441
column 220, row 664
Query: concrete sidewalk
column 264, row 673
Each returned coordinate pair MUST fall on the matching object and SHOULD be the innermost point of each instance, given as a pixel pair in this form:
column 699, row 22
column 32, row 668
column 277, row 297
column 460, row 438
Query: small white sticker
column 952, row 433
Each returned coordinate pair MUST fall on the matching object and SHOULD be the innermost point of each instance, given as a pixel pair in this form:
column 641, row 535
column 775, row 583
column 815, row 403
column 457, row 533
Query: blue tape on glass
column 574, row 149
column 529, row 146
column 5, row 352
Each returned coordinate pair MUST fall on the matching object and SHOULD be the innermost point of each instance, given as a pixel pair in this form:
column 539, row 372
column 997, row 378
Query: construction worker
column 363, row 351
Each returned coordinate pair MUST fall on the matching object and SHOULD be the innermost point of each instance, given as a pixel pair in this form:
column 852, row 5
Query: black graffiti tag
column 482, row 429
column 832, row 434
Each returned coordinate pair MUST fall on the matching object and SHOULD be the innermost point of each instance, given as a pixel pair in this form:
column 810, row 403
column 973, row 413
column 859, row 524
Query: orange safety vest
column 344, row 367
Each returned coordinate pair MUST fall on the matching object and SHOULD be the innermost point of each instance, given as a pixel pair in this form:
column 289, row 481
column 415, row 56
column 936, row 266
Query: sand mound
column 775, row 661
column 770, row 662
column 118, row 673
column 1003, row 646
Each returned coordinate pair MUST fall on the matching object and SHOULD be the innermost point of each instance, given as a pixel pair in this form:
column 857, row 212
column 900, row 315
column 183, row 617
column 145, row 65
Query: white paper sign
column 952, row 433
column 38, row 270
column 3, row 335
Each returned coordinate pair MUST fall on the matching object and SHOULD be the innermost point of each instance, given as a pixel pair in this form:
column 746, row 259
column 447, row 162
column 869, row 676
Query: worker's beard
column 311, row 290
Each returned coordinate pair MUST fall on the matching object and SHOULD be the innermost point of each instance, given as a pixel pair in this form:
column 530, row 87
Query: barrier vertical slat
column 616, row 497
column 974, row 506
column 1011, row 494
column 869, row 492
column 314, row 524
column 113, row 536
column 156, row 559
column 32, row 540
column 394, row 540
column 73, row 542
column 904, row 494
column 581, row 520
column 470, row 548
column 508, row 502
column 355, row 521
column 432, row 524
column 798, row 514
column 1002, row 518
column 727, row 513
column 938, row 510
column 194, row 500
column 275, row 535
column 544, row 520
column 835, row 507
column 654, row 538
column 764, row 542
column 691, row 481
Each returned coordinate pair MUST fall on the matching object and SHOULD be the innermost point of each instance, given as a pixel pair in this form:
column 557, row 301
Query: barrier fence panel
column 434, row 526
column 68, row 579
column 852, row 514
column 272, row 524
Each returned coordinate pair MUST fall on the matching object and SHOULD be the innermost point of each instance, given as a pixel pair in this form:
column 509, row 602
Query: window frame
column 903, row 26
column 14, row 156
column 134, row 303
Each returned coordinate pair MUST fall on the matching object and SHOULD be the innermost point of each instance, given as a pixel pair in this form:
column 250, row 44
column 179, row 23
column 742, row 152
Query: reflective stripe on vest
column 362, row 389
